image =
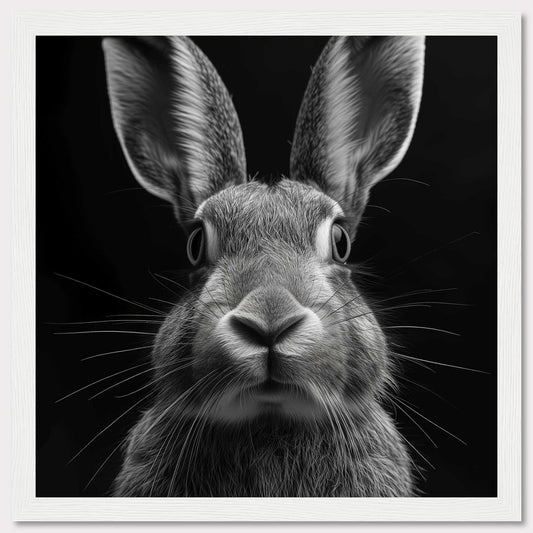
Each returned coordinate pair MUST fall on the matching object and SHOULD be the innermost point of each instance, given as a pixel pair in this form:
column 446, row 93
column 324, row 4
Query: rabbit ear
column 174, row 118
column 358, row 116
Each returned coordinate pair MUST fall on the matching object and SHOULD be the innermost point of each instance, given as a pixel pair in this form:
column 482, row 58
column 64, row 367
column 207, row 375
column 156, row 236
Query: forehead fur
column 257, row 214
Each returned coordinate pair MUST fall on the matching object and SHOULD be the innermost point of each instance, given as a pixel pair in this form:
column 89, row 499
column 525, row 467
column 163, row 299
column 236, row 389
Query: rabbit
column 271, row 372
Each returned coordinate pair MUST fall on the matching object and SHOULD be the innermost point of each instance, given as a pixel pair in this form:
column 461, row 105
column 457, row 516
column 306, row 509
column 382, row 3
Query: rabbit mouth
column 272, row 395
column 271, row 391
column 267, row 397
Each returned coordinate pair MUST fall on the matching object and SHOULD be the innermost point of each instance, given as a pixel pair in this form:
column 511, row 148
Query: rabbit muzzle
column 272, row 323
column 268, row 339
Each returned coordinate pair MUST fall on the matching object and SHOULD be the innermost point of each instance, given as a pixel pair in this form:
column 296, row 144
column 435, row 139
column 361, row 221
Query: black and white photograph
column 266, row 266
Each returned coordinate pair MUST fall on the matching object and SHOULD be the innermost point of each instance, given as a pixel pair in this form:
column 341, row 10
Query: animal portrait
column 296, row 236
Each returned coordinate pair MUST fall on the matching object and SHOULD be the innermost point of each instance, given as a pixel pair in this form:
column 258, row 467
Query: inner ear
column 357, row 116
column 175, row 119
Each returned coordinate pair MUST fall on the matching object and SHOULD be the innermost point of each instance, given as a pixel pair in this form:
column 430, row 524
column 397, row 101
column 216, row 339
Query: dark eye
column 196, row 246
column 340, row 243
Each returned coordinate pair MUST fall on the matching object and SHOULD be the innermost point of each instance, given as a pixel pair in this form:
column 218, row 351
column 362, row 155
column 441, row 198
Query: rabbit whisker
column 414, row 422
column 110, row 425
column 403, row 378
column 134, row 314
column 359, row 315
column 380, row 207
column 126, row 189
column 151, row 369
column 426, row 328
column 394, row 273
column 105, row 461
column 387, row 180
column 205, row 304
column 340, row 307
column 328, row 300
column 226, row 294
column 214, row 301
column 102, row 379
column 131, row 302
column 182, row 396
column 411, row 358
column 419, row 453
column 103, row 331
column 400, row 306
column 116, row 321
column 118, row 351
column 155, row 380
column 417, row 292
column 155, row 274
column 162, row 301
column 406, row 405
column 164, row 285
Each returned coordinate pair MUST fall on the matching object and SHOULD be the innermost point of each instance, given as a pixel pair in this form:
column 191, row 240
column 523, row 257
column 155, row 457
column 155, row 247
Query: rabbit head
column 274, row 326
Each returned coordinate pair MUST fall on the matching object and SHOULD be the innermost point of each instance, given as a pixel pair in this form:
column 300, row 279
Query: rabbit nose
column 267, row 315
column 257, row 331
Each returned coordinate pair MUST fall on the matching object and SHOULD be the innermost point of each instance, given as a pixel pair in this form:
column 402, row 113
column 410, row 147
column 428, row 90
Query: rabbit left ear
column 174, row 118
column 358, row 116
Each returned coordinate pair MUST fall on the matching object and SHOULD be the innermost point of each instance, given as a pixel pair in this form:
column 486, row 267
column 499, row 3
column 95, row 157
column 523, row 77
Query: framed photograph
column 267, row 267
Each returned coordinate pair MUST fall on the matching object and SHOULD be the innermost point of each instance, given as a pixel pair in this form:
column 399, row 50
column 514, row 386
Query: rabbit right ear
column 358, row 116
column 174, row 118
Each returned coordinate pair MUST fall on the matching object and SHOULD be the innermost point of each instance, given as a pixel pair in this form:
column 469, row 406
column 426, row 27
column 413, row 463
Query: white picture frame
column 505, row 507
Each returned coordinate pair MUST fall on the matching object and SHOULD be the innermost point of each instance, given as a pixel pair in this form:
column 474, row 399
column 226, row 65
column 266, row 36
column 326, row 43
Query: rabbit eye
column 340, row 243
column 196, row 246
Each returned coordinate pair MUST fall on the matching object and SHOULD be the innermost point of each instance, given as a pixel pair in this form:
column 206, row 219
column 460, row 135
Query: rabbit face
column 277, row 318
column 275, row 323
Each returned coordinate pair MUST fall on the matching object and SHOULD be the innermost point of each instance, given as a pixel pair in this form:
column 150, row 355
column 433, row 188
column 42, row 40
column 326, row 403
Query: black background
column 95, row 224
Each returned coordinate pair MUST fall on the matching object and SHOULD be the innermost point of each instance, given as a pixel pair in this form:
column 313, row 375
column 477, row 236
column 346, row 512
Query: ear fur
column 358, row 116
column 174, row 118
